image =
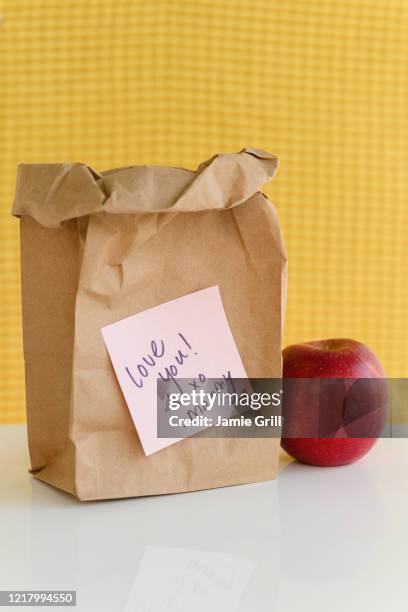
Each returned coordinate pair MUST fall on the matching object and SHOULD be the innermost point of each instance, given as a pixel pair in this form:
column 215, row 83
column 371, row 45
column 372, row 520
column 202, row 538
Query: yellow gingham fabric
column 321, row 83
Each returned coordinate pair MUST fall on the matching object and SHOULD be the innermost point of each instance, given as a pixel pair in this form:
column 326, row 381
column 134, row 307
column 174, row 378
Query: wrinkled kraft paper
column 98, row 247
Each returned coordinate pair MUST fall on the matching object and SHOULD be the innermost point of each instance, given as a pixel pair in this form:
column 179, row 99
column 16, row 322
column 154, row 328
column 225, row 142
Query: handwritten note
column 186, row 338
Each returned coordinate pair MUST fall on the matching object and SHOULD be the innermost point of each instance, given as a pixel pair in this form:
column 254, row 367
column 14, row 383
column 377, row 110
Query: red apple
column 337, row 421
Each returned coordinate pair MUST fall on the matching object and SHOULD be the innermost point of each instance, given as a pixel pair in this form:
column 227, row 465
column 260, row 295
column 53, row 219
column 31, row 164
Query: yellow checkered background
column 321, row 83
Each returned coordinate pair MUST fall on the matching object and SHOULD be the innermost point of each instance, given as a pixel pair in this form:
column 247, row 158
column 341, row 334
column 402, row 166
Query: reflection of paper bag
column 96, row 248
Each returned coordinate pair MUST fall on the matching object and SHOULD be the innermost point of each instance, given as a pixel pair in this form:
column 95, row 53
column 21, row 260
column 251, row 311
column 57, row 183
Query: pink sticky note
column 144, row 346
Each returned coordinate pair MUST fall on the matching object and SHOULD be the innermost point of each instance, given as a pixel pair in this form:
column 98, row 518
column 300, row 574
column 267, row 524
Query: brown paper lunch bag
column 98, row 247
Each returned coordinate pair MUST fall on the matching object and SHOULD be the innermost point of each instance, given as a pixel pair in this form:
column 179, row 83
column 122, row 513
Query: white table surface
column 313, row 540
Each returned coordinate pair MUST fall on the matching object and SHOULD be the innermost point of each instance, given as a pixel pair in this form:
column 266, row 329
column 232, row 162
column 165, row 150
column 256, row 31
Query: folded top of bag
column 53, row 193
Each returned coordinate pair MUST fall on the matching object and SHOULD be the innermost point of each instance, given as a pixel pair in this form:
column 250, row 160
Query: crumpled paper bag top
column 54, row 193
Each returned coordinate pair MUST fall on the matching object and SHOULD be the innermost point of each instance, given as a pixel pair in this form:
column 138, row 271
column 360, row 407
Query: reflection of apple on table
column 361, row 405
